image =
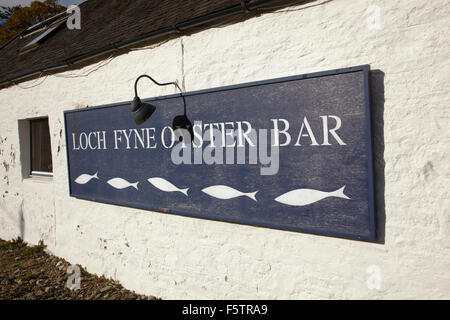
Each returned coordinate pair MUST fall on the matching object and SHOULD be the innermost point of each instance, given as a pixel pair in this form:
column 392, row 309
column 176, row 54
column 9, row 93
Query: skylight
column 43, row 36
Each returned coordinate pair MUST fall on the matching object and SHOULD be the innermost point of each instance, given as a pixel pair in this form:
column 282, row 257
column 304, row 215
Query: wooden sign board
column 292, row 153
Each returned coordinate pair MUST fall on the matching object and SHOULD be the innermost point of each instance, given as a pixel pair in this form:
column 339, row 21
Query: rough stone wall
column 179, row 257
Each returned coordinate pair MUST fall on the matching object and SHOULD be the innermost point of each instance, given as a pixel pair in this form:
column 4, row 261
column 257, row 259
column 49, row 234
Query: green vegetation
column 18, row 18
column 27, row 276
column 31, row 251
column 12, row 244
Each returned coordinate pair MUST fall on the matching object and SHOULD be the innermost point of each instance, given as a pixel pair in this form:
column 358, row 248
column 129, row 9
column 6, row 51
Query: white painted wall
column 178, row 257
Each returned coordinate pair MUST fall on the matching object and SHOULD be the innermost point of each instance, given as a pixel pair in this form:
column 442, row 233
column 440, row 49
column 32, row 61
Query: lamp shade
column 141, row 110
column 182, row 122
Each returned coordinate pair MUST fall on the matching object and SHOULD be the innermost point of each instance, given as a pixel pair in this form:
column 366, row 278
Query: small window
column 41, row 152
column 47, row 33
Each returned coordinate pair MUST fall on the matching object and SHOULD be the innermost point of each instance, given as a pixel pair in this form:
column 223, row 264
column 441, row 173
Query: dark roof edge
column 244, row 7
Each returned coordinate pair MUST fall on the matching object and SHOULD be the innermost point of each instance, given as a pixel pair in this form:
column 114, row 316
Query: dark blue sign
column 291, row 153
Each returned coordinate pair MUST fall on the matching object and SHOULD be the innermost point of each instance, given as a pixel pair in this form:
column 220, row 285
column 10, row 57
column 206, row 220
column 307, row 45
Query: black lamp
column 143, row 110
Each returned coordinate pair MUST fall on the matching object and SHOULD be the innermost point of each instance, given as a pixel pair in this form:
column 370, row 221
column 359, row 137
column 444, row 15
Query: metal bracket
column 177, row 30
column 244, row 6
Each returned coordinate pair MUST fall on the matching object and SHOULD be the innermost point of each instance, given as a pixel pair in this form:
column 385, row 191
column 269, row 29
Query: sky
column 26, row 3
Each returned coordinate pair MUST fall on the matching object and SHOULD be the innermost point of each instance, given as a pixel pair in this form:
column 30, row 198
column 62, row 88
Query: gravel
column 29, row 273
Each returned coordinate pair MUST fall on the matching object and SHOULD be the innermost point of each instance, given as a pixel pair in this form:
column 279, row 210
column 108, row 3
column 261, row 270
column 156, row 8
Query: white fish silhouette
column 85, row 178
column 303, row 197
column 120, row 183
column 164, row 185
column 225, row 192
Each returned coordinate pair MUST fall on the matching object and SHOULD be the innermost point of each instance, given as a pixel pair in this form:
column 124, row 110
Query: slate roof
column 103, row 23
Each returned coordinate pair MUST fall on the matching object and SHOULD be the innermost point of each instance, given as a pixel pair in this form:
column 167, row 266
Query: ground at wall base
column 29, row 273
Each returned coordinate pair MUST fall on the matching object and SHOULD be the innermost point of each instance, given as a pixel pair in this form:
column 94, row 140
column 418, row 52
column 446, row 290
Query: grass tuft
column 30, row 251
column 12, row 244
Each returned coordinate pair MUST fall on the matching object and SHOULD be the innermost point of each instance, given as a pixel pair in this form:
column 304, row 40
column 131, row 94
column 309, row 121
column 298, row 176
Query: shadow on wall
column 14, row 220
column 377, row 97
column 25, row 163
column 21, row 222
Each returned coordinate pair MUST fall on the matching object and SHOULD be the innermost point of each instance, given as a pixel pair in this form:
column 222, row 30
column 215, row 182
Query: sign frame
column 372, row 237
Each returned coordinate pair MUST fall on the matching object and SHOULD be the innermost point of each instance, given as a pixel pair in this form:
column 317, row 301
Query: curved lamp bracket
column 159, row 84
column 143, row 110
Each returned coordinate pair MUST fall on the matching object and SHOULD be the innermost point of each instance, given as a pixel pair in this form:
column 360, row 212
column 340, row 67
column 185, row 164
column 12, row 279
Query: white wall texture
column 173, row 256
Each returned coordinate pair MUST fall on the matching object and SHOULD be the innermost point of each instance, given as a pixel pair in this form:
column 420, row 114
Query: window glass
column 41, row 153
